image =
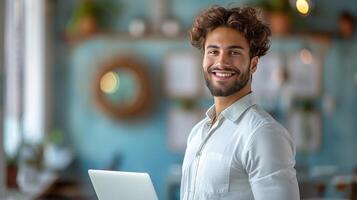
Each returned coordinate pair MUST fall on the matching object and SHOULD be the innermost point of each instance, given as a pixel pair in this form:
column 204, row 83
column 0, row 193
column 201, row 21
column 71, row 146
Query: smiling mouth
column 223, row 75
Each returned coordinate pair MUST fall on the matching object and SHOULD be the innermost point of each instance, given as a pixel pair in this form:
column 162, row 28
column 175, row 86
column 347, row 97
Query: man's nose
column 223, row 59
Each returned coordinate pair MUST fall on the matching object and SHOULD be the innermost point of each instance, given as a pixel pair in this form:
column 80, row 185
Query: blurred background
column 116, row 85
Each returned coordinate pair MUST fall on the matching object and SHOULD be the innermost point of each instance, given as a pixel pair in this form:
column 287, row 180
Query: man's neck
column 221, row 103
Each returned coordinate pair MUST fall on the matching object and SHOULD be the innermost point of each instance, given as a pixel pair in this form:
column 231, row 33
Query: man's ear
column 254, row 64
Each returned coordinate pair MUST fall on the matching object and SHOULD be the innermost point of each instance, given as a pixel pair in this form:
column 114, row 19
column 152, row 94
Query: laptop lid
column 118, row 185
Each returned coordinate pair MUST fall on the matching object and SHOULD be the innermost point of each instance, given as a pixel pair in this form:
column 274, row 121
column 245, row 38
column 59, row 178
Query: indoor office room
column 116, row 85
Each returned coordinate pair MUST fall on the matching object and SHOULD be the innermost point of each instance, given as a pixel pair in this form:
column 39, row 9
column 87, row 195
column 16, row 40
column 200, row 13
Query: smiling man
column 238, row 151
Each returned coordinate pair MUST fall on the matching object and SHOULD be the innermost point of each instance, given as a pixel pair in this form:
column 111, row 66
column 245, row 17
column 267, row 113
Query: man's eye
column 212, row 52
column 235, row 53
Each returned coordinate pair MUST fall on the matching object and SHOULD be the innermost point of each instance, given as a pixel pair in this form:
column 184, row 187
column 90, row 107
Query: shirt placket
column 210, row 129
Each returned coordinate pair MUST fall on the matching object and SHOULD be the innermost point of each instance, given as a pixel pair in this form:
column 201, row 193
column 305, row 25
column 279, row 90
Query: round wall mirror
column 122, row 88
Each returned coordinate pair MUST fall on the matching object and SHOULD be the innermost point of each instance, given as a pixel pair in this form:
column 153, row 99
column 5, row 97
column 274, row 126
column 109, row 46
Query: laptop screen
column 112, row 185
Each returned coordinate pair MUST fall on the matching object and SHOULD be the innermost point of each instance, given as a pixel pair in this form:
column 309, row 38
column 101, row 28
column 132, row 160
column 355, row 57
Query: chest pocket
column 214, row 174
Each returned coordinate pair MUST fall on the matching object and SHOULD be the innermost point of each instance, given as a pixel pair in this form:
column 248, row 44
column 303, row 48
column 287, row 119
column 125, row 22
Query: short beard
column 239, row 84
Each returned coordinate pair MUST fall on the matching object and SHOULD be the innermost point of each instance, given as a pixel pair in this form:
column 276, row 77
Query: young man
column 238, row 151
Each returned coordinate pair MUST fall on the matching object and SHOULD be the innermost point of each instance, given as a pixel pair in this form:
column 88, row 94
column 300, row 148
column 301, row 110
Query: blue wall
column 142, row 145
column 340, row 128
column 98, row 138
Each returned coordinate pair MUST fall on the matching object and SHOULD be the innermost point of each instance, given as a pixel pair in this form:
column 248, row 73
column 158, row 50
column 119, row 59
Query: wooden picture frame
column 142, row 101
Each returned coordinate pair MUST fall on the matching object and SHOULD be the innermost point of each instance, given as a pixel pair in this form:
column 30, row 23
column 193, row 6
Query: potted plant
column 11, row 172
column 88, row 17
column 278, row 14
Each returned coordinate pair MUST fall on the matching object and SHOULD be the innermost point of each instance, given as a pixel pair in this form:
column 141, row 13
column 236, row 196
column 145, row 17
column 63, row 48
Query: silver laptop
column 118, row 185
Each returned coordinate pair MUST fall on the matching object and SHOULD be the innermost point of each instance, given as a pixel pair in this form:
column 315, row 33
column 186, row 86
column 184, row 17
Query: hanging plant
column 89, row 17
column 278, row 14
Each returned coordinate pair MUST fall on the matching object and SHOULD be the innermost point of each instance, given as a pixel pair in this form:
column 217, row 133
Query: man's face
column 226, row 62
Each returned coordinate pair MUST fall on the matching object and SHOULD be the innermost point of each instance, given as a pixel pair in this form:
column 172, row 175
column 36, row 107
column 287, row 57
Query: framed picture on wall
column 305, row 127
column 304, row 72
column 180, row 123
column 182, row 74
column 268, row 79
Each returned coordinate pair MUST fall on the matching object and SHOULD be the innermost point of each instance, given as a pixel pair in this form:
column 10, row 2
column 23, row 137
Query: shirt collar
column 234, row 111
column 210, row 112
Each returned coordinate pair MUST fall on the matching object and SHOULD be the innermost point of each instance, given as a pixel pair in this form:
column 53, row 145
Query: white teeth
column 223, row 74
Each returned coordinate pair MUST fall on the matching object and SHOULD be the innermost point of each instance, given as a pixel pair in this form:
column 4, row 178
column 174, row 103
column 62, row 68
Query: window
column 25, row 73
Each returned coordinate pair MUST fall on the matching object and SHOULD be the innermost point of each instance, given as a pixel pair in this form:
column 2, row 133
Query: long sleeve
column 269, row 161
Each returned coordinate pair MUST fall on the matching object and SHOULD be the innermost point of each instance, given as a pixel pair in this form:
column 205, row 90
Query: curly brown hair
column 242, row 19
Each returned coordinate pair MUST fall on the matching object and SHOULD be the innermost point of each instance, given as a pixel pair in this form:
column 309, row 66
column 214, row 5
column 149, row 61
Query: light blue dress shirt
column 245, row 155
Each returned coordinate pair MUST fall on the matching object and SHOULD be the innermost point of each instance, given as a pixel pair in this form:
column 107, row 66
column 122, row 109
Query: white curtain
column 34, row 71
column 25, row 73
column 2, row 152
column 14, row 31
column 24, row 115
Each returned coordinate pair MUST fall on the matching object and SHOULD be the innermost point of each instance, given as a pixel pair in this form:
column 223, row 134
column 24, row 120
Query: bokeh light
column 302, row 6
column 306, row 56
column 109, row 83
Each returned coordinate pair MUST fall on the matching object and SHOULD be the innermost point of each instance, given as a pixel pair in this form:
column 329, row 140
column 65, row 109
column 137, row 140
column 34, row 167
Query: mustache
column 229, row 69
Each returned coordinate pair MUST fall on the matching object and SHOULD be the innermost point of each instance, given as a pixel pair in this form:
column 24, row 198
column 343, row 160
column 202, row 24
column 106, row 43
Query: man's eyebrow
column 235, row 47
column 229, row 47
column 212, row 46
